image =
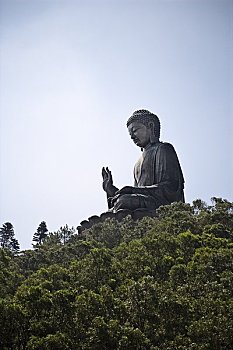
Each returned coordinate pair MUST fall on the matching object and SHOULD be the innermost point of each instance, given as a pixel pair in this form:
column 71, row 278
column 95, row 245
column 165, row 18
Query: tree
column 159, row 283
column 7, row 237
column 13, row 325
column 40, row 234
column 65, row 233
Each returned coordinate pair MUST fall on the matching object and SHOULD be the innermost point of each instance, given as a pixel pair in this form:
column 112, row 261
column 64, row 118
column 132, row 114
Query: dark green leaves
column 160, row 283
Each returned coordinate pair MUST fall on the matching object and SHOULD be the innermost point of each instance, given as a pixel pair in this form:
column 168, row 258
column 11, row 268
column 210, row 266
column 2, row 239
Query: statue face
column 140, row 134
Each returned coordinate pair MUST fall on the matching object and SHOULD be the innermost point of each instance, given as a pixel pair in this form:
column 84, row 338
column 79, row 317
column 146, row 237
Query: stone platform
column 119, row 215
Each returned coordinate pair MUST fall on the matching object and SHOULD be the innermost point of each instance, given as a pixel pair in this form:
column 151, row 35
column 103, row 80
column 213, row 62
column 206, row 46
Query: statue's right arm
column 108, row 186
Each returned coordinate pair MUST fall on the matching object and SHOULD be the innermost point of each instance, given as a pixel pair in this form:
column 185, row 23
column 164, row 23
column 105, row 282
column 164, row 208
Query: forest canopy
column 161, row 283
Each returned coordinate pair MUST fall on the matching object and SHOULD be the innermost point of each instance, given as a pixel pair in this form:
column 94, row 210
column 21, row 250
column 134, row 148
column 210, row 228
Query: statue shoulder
column 166, row 146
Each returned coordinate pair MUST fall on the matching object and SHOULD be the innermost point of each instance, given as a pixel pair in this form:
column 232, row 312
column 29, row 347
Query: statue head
column 145, row 123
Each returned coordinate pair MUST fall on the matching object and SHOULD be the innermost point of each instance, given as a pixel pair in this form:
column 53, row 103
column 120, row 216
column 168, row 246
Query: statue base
column 119, row 215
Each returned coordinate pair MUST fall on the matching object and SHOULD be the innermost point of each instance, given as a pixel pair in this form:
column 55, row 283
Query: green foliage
column 62, row 236
column 40, row 234
column 57, row 341
column 10, row 276
column 7, row 238
column 162, row 283
column 12, row 324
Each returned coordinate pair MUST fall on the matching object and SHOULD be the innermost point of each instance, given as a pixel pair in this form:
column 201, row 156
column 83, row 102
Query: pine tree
column 15, row 244
column 40, row 234
column 65, row 233
column 7, row 237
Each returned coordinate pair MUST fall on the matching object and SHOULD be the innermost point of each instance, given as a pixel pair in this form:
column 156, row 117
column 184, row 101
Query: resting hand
column 125, row 201
column 126, row 190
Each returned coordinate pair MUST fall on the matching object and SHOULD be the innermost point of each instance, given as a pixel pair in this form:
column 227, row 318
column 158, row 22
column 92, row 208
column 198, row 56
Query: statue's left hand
column 126, row 190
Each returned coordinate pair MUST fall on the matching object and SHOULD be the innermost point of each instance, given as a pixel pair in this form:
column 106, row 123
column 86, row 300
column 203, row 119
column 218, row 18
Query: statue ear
column 152, row 132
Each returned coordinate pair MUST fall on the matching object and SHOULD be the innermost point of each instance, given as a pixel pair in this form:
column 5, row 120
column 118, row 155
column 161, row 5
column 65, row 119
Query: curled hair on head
column 146, row 117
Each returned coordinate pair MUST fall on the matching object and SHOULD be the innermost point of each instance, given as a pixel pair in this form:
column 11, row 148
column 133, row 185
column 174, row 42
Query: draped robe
column 158, row 180
column 158, row 177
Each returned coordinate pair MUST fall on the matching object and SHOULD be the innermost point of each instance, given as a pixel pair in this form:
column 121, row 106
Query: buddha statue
column 158, row 178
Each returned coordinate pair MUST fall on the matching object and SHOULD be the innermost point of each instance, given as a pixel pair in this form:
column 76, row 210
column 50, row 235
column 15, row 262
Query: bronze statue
column 157, row 174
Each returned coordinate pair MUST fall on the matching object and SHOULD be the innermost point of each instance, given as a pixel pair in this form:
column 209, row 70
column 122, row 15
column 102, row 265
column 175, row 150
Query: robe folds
column 158, row 176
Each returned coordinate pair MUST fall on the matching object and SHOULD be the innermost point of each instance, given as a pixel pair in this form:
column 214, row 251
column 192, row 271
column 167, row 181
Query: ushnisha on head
column 144, row 127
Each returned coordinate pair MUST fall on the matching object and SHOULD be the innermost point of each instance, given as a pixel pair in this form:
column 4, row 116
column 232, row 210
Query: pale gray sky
column 72, row 72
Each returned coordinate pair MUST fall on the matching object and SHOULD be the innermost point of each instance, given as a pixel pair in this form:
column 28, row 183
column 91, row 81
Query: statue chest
column 143, row 170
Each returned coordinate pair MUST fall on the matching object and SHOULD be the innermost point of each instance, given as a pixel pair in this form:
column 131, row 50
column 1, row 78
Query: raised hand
column 108, row 186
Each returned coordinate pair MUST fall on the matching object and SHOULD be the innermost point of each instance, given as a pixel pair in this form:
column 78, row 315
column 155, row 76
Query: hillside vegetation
column 162, row 283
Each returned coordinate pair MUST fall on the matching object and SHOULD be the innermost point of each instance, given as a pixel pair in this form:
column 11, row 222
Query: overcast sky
column 71, row 74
